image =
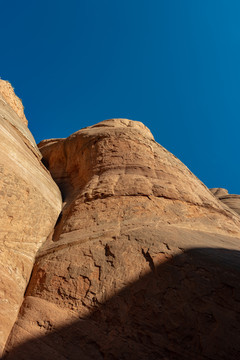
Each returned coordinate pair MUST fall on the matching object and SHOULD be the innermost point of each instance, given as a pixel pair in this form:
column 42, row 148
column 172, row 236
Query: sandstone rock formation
column 8, row 95
column 29, row 206
column 143, row 262
column 231, row 200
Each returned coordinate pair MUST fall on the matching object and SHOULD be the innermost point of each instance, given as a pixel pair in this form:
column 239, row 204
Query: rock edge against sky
column 143, row 262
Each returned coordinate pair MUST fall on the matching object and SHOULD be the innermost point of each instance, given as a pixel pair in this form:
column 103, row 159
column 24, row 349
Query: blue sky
column 172, row 64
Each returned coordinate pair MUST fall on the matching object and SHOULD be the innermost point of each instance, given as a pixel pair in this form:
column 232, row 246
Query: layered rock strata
column 143, row 262
column 29, row 206
column 9, row 96
column 231, row 200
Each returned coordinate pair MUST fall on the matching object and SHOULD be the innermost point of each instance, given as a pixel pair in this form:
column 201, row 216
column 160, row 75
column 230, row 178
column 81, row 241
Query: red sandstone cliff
column 143, row 262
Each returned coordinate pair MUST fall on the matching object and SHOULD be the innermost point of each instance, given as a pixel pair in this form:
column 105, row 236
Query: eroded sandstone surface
column 9, row 96
column 143, row 262
column 30, row 203
column 231, row 200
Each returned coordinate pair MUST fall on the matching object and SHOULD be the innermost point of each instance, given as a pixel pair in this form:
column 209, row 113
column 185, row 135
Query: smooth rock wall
column 30, row 203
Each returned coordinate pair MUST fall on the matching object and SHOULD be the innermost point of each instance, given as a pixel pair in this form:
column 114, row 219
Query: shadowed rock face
column 116, row 280
column 231, row 200
column 29, row 206
column 184, row 308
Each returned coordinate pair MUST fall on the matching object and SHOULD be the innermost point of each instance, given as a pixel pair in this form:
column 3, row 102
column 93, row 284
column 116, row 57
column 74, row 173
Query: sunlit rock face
column 231, row 200
column 143, row 262
column 30, row 203
column 8, row 96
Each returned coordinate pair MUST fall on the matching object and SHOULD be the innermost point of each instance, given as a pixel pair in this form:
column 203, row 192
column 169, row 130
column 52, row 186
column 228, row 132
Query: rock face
column 143, row 262
column 29, row 206
column 12, row 100
column 231, row 200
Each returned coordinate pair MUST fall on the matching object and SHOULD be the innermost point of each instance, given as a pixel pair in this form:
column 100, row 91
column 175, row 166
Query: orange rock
column 231, row 200
column 30, row 203
column 143, row 262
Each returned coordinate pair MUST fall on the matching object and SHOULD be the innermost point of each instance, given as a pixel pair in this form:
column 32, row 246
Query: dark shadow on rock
column 45, row 163
column 186, row 308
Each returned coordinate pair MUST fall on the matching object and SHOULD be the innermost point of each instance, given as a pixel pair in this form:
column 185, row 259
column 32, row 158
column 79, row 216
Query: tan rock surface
column 29, row 206
column 144, row 260
column 10, row 97
column 231, row 200
column 218, row 192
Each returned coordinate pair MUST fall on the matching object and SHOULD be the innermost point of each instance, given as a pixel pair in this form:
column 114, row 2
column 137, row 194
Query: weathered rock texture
column 29, row 206
column 231, row 200
column 7, row 92
column 143, row 262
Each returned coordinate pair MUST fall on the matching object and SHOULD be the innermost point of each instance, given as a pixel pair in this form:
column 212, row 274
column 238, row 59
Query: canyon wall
column 30, row 204
column 143, row 262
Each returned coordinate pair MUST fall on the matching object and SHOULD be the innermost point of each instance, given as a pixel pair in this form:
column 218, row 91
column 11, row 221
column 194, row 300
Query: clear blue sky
column 172, row 64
